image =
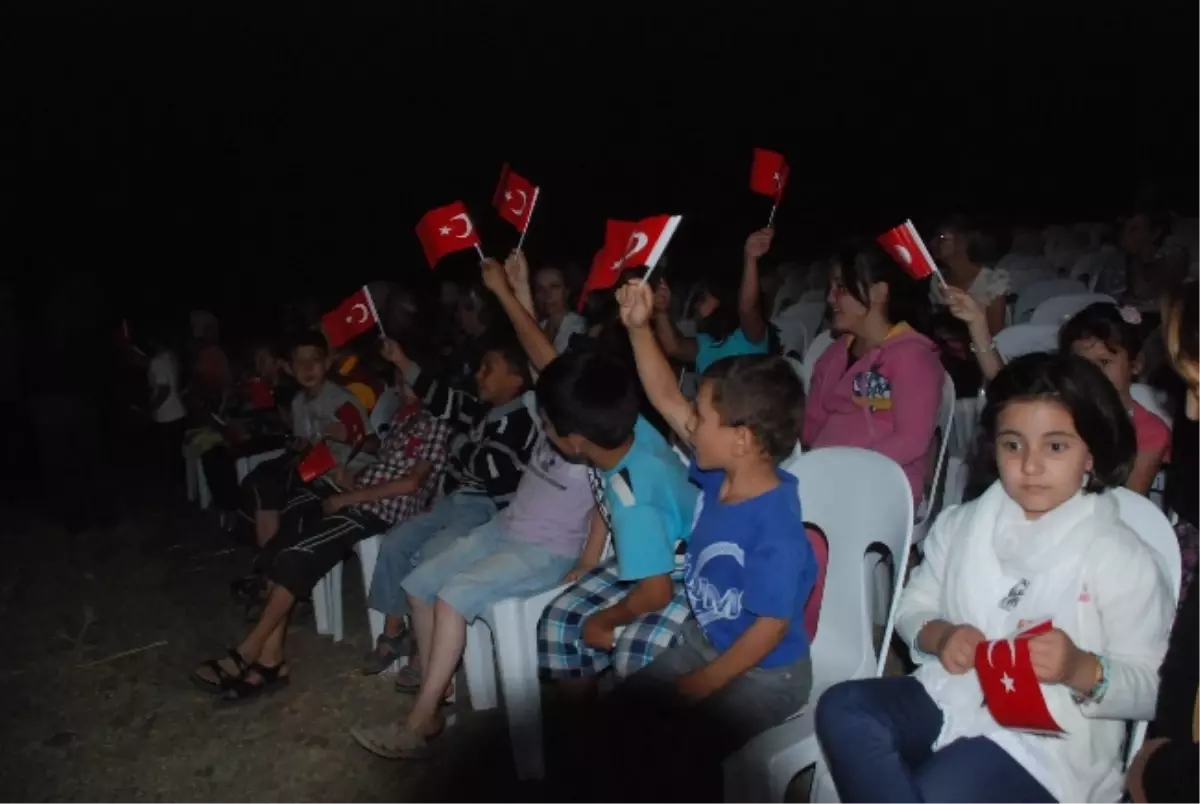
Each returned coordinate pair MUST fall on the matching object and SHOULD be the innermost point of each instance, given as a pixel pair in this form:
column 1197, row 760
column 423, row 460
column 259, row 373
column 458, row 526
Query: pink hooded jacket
column 886, row 401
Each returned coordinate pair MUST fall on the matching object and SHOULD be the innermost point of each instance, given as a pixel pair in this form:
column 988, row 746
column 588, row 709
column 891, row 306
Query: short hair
column 512, row 354
column 981, row 247
column 1093, row 402
column 761, row 393
column 308, row 337
column 590, row 394
column 864, row 263
column 1102, row 322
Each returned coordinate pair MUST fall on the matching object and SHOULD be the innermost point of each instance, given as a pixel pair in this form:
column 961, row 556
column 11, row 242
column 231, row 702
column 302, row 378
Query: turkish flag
column 316, row 462
column 514, row 198
column 769, row 173
column 351, row 318
column 356, row 429
column 648, row 239
column 446, row 230
column 908, row 249
column 260, row 394
column 606, row 270
column 1011, row 689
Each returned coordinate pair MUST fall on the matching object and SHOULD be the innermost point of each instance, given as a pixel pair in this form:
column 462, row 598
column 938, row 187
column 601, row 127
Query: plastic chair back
column 815, row 349
column 1145, row 396
column 385, row 408
column 1036, row 293
column 1060, row 308
column 1023, row 339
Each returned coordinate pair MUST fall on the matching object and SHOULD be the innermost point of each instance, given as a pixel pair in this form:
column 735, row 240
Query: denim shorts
column 484, row 567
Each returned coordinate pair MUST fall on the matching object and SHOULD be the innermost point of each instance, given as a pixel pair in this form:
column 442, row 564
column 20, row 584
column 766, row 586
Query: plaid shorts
column 561, row 652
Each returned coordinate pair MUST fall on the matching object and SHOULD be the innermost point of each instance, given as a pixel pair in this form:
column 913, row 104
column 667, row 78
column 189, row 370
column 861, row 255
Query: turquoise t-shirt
column 709, row 351
column 650, row 503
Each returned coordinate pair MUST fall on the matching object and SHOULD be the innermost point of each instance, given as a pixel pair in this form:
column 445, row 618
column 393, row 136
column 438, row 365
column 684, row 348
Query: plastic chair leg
column 334, row 601
column 516, row 659
column 368, row 554
column 823, row 789
column 202, row 485
column 320, row 603
column 480, row 665
column 190, row 479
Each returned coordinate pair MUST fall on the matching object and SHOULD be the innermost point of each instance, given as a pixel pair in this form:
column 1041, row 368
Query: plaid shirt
column 414, row 436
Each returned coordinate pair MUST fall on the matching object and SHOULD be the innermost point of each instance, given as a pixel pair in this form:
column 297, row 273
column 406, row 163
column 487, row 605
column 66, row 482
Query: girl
column 1045, row 542
column 721, row 330
column 1108, row 337
column 1166, row 767
column 879, row 385
column 550, row 299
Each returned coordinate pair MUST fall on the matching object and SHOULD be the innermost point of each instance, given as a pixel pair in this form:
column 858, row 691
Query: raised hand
column 517, row 269
column 759, row 243
column 962, row 305
column 637, row 304
column 662, row 297
column 494, row 278
column 391, row 352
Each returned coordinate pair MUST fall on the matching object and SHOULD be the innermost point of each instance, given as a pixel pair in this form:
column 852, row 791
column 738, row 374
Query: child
column 1108, row 336
column 744, row 655
column 494, row 434
column 314, row 419
column 1045, row 541
column 315, row 534
column 722, row 330
column 879, row 385
column 589, row 406
column 166, row 406
column 1166, row 766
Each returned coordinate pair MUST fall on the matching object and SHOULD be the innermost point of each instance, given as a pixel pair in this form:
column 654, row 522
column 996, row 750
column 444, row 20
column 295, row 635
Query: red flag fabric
column 356, row 428
column 260, row 394
column 351, row 318
column 908, row 249
column 769, row 173
column 606, row 270
column 316, row 462
column 629, row 245
column 515, row 198
column 446, row 230
column 1011, row 688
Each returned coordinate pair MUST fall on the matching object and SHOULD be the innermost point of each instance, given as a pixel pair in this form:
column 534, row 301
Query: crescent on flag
column 466, row 222
column 638, row 241
column 524, row 202
column 365, row 314
column 903, row 254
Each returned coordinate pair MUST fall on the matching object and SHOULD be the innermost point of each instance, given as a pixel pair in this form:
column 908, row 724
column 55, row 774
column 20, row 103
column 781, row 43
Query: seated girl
column 1045, row 542
column 879, row 385
column 721, row 329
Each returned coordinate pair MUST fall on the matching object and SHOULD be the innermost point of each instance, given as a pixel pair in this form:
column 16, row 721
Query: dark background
column 233, row 159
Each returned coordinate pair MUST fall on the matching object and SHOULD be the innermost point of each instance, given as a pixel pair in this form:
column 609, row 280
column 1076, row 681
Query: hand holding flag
column 629, row 245
column 351, row 318
column 1011, row 687
column 446, row 230
column 908, row 249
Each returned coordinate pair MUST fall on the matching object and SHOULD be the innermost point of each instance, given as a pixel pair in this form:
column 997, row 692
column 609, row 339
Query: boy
column 494, row 434
column 315, row 534
column 742, row 665
column 589, row 407
column 314, row 419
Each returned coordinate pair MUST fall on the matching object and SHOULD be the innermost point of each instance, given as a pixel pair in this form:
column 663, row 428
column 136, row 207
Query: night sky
column 233, row 161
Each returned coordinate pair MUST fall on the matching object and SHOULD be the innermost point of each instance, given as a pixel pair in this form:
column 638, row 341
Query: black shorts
column 270, row 485
column 310, row 544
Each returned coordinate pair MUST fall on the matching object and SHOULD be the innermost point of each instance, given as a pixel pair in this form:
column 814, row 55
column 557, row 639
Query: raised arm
column 978, row 320
column 535, row 343
column 457, row 407
column 749, row 308
column 636, row 302
column 675, row 345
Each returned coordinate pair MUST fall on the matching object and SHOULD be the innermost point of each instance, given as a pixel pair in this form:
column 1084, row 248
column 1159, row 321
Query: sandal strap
column 239, row 661
column 269, row 675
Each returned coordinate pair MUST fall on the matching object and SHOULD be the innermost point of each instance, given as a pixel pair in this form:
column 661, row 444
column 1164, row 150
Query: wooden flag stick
column 479, row 251
column 771, row 220
column 529, row 217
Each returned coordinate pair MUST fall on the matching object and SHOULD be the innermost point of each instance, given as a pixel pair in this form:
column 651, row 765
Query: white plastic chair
column 1148, row 398
column 385, row 408
column 815, row 350
column 1058, row 309
column 798, row 323
column 1036, row 293
column 1022, row 339
column 843, row 648
column 1147, row 521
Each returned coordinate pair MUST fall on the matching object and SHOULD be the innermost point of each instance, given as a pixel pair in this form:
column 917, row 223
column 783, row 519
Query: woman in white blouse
column 550, row 298
column 958, row 248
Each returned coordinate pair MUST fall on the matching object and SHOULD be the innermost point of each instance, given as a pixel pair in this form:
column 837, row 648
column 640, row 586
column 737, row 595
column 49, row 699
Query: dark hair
column 1102, row 322
column 980, row 246
column 308, row 337
column 505, row 345
column 762, row 393
column 1158, row 219
column 723, row 321
column 590, row 394
column 865, row 263
column 1083, row 389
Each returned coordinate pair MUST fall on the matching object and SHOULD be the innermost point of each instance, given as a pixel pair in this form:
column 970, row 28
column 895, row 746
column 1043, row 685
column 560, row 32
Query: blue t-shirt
column 649, row 503
column 747, row 560
column 709, row 351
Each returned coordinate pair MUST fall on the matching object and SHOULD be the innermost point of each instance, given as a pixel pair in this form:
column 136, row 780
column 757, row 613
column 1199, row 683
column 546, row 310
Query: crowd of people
column 534, row 446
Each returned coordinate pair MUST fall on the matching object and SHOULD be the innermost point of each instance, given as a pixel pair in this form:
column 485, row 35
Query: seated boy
column 494, row 434
column 314, row 419
column 589, row 407
column 525, row 549
column 742, row 665
column 315, row 534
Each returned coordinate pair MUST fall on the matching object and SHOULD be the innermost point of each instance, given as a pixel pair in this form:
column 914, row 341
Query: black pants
column 270, row 485
column 220, row 468
column 310, row 544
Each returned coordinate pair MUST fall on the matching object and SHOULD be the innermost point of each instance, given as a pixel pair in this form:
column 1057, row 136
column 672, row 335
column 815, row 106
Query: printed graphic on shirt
column 710, row 603
column 872, row 390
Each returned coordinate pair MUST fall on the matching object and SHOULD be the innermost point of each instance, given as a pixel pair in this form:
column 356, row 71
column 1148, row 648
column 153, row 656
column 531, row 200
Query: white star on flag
column 1009, row 684
column 508, row 196
column 444, row 231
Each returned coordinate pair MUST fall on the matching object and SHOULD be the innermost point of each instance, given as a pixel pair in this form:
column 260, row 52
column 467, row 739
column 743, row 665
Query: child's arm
column 674, row 344
column 749, row 306
column 650, row 594
column 637, row 301
column 979, row 324
column 535, row 343
column 593, row 548
column 409, row 483
column 499, row 460
column 755, row 643
column 1145, row 467
column 442, row 401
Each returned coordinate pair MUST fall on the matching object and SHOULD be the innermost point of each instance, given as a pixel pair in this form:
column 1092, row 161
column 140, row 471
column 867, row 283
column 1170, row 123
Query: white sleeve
column 159, row 372
column 920, row 600
column 572, row 324
column 1136, row 611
